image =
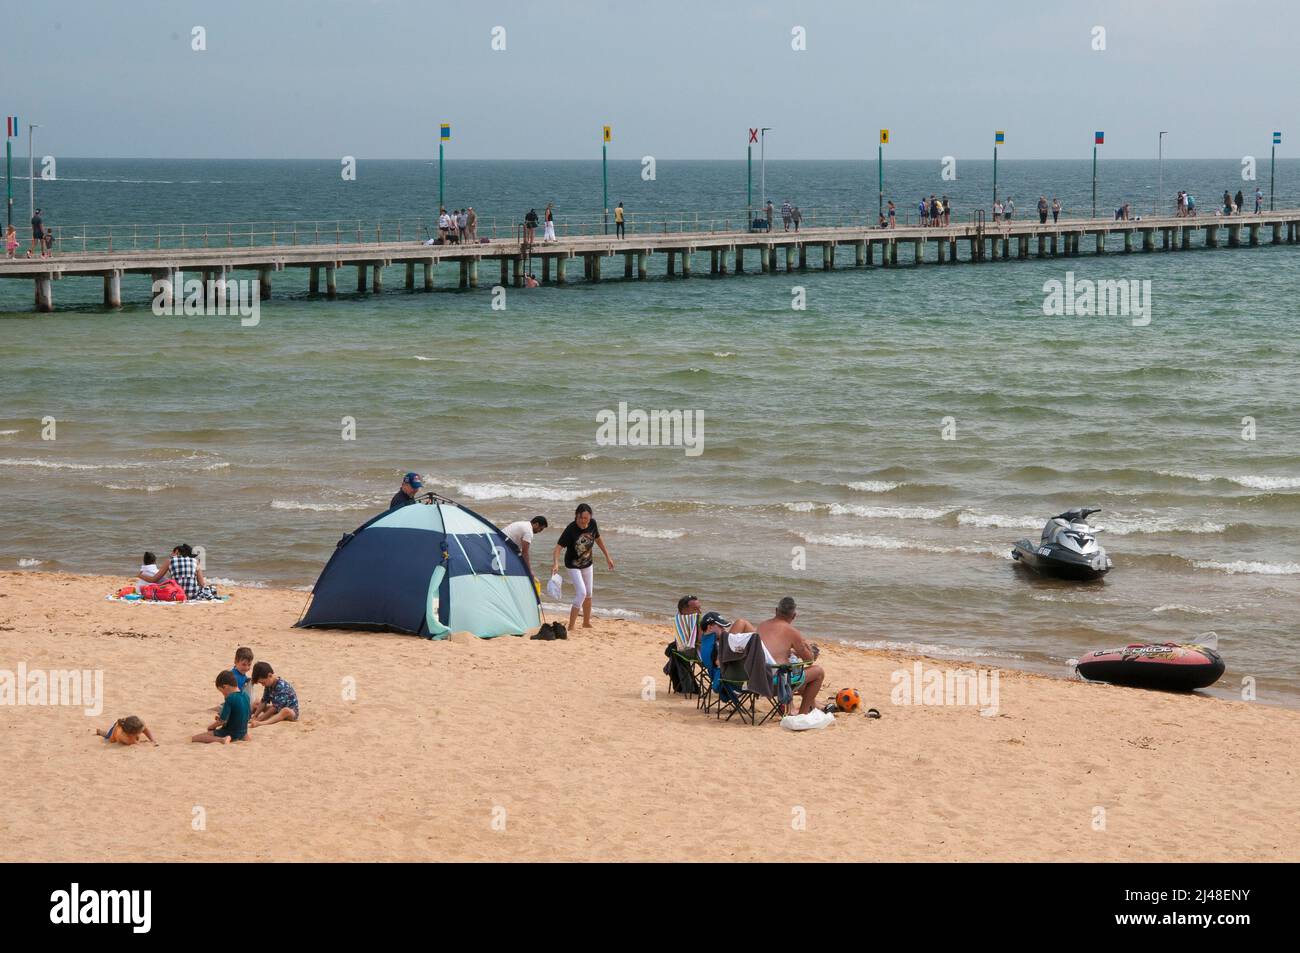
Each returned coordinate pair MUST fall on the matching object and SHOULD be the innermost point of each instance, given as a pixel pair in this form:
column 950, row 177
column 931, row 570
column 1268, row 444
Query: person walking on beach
column 786, row 211
column 618, row 221
column 1056, row 209
column 549, row 234
column 406, row 492
column 576, row 544
column 1042, row 210
column 530, row 226
column 796, row 216
column 38, row 234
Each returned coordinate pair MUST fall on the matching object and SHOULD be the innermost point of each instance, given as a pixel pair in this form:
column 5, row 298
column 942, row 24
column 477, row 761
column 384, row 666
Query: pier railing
column 110, row 239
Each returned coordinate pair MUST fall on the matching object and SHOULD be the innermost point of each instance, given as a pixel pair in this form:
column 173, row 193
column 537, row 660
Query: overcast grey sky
column 675, row 78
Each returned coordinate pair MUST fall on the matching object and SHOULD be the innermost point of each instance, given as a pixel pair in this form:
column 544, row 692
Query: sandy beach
column 512, row 749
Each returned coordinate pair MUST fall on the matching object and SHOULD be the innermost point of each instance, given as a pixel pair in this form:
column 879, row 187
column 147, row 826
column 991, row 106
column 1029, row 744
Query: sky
column 674, row 79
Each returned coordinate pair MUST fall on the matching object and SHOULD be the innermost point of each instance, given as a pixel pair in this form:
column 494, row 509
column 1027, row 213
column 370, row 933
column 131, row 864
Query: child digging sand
column 243, row 665
column 232, row 722
column 126, row 731
column 279, row 700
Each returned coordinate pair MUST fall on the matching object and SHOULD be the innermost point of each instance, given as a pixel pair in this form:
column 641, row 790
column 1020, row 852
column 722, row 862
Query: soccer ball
column 848, row 699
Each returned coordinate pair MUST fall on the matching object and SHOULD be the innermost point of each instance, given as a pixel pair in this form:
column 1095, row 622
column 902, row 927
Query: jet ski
column 1067, row 549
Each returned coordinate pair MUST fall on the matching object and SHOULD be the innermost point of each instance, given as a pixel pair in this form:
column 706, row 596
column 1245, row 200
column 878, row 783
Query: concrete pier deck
column 729, row 252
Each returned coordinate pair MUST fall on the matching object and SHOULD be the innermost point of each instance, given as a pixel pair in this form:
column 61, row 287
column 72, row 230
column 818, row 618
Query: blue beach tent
column 429, row 568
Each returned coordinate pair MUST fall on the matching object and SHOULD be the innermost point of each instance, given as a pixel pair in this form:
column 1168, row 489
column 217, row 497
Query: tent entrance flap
column 436, row 629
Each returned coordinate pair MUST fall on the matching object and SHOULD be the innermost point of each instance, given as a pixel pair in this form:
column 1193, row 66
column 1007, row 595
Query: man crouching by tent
column 411, row 484
column 521, row 533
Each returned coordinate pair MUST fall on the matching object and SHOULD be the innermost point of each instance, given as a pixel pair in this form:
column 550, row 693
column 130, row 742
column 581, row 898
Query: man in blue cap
column 411, row 483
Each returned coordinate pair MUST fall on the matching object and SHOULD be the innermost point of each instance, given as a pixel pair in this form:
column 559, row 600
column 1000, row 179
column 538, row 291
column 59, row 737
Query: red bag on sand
column 126, row 591
column 169, row 591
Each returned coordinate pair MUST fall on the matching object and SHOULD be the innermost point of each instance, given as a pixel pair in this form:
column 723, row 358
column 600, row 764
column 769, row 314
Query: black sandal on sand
column 872, row 713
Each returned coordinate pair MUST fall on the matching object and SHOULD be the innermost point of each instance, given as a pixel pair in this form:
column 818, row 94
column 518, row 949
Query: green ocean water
column 824, row 473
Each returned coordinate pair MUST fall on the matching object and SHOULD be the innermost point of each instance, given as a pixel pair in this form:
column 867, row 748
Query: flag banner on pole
column 999, row 136
column 607, row 133
column 1099, row 137
column 11, row 126
column 445, row 132
column 884, row 137
column 753, row 135
column 1277, row 138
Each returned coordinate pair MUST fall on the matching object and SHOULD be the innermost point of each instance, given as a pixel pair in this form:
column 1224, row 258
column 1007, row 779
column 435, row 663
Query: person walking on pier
column 618, row 222
column 768, row 211
column 1042, row 210
column 1239, row 203
column 38, row 234
column 997, row 211
column 471, row 222
column 462, row 225
column 785, row 215
column 1259, row 200
column 549, row 234
column 1008, row 209
column 1056, row 209
column 444, row 226
column 796, row 216
column 1227, row 202
column 530, row 226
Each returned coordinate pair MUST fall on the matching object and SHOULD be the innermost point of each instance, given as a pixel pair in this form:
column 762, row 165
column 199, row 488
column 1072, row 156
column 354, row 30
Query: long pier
column 729, row 252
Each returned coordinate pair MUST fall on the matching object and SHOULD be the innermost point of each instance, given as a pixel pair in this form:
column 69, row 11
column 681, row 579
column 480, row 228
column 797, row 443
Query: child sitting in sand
column 279, row 700
column 232, row 722
column 148, row 569
column 126, row 731
column 243, row 664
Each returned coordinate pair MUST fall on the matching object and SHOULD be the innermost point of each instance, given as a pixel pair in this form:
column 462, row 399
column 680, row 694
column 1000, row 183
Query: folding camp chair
column 783, row 684
column 687, row 632
column 733, row 697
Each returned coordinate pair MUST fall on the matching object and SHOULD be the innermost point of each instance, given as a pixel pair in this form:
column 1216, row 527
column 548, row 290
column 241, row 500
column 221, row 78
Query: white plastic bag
column 555, row 587
column 814, row 719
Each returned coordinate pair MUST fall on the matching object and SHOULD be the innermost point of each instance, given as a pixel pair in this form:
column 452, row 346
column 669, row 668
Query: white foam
column 318, row 507
column 888, row 512
column 30, row 563
column 724, row 353
column 650, row 533
column 1248, row 566
column 926, row 648
column 9, row 433
column 804, row 507
column 997, row 521
column 242, row 584
column 873, row 486
column 525, row 491
column 847, row 540
column 1179, row 607
column 59, row 465
column 147, row 488
column 1126, row 526
column 1250, row 481
column 421, row 357
column 558, row 610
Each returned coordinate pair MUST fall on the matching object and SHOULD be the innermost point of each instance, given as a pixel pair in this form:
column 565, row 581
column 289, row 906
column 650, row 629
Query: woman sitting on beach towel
column 184, row 568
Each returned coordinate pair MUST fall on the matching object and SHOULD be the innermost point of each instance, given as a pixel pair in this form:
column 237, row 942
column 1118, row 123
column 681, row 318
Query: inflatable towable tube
column 1169, row 666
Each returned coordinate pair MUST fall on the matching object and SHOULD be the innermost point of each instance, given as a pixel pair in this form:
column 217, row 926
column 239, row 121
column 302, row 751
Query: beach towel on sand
column 114, row 597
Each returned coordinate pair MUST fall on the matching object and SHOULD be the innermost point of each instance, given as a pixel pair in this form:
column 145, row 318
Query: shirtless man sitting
column 781, row 639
